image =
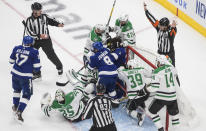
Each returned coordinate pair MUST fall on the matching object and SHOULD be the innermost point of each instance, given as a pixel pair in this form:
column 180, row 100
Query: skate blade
column 142, row 121
column 18, row 121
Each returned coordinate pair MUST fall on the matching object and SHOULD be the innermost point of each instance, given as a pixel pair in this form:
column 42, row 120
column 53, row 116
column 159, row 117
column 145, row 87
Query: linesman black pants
column 47, row 47
column 111, row 127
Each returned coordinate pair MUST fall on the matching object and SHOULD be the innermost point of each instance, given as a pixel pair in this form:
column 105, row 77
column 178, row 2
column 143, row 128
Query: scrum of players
column 105, row 63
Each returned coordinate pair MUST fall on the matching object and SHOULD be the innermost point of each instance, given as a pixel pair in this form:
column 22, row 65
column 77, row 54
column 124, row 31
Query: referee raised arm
column 165, row 33
column 37, row 27
column 100, row 109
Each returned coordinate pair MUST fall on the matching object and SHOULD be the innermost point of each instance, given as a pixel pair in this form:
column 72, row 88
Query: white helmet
column 100, row 27
column 162, row 60
column 132, row 64
column 60, row 95
column 123, row 18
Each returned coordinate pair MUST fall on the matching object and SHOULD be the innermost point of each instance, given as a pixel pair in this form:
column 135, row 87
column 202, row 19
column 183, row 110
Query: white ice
column 190, row 49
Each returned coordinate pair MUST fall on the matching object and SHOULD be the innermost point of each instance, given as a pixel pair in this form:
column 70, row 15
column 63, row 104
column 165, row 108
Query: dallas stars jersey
column 71, row 109
column 126, row 32
column 164, row 83
column 136, row 79
column 93, row 37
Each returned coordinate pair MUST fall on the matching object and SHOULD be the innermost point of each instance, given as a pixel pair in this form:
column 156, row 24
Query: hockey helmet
column 101, row 89
column 97, row 46
column 100, row 28
column 168, row 59
column 161, row 60
column 123, row 17
column 164, row 22
column 60, row 95
column 27, row 40
column 132, row 64
column 36, row 6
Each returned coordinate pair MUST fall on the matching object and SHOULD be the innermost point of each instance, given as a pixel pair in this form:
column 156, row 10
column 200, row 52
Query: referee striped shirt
column 100, row 108
column 165, row 38
column 39, row 25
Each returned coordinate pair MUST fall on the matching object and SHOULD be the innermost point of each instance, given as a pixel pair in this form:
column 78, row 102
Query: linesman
column 100, row 109
column 37, row 27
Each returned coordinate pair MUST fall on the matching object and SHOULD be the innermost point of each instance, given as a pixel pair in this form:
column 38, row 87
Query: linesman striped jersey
column 39, row 25
column 164, row 83
column 165, row 38
column 100, row 108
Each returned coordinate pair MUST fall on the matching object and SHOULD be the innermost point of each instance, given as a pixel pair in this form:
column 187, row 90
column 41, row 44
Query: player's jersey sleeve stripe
column 89, row 67
column 115, row 56
column 36, row 65
column 11, row 61
column 108, row 73
column 173, row 32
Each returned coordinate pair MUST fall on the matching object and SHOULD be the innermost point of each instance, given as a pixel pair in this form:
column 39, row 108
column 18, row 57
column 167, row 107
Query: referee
column 165, row 33
column 100, row 109
column 37, row 27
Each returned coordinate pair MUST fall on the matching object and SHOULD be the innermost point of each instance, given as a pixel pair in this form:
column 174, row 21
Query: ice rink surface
column 79, row 16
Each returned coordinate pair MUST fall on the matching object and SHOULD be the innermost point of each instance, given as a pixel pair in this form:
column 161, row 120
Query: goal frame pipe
column 154, row 67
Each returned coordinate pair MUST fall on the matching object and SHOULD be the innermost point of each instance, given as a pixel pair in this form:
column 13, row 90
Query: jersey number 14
column 169, row 79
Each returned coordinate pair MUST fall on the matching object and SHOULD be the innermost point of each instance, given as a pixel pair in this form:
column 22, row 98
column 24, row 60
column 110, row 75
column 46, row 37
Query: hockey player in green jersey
column 97, row 34
column 124, row 29
column 135, row 78
column 70, row 105
column 164, row 85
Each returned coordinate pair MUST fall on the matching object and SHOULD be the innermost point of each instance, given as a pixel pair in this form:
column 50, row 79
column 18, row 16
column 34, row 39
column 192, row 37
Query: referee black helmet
column 101, row 89
column 36, row 6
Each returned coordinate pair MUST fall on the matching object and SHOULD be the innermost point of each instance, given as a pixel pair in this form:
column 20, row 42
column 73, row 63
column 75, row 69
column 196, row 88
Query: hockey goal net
column 147, row 58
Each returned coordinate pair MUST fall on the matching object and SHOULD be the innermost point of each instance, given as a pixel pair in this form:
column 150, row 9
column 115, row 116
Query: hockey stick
column 24, row 23
column 111, row 13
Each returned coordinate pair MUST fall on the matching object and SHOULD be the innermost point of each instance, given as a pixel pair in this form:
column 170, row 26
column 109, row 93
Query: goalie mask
column 60, row 95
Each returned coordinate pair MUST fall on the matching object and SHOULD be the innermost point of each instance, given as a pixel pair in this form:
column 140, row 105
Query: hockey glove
column 46, row 99
column 142, row 92
column 93, row 80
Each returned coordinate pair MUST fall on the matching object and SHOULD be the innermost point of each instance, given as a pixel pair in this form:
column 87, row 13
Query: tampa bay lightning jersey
column 120, row 56
column 25, row 60
column 104, row 62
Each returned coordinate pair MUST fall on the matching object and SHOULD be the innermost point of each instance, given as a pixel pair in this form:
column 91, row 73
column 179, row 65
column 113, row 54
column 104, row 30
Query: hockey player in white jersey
column 135, row 78
column 164, row 85
column 97, row 34
column 70, row 105
column 124, row 29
